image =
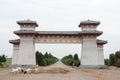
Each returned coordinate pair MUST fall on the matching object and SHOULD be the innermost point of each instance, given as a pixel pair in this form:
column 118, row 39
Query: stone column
column 27, row 51
column 89, row 55
column 15, row 54
column 100, row 54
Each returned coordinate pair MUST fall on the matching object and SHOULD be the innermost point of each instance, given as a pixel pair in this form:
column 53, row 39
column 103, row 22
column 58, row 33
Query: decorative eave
column 25, row 32
column 57, row 33
column 89, row 22
column 16, row 41
column 27, row 22
column 86, row 32
column 101, row 42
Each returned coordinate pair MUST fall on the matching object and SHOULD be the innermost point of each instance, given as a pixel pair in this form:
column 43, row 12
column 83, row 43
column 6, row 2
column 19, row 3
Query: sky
column 60, row 15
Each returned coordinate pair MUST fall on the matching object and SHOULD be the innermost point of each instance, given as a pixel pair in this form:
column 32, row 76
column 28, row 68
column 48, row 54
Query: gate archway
column 59, row 50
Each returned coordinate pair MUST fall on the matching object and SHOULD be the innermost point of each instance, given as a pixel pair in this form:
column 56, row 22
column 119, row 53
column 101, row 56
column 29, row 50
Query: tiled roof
column 95, row 32
column 89, row 22
column 16, row 41
column 58, row 32
column 27, row 22
column 25, row 32
column 101, row 41
column 85, row 32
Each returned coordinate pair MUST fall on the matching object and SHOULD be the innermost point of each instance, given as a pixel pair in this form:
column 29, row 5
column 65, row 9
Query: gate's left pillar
column 27, row 33
column 15, row 51
column 26, row 54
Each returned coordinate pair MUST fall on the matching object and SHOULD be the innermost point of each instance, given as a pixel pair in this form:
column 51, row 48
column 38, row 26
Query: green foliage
column 46, row 55
column 39, row 59
column 2, row 60
column 117, row 54
column 76, row 60
column 8, row 61
column 44, row 60
column 118, row 63
column 76, row 57
column 107, row 62
column 115, row 59
column 112, row 59
column 76, row 63
column 70, row 60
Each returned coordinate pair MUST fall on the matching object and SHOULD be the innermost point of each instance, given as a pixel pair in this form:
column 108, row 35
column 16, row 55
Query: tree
column 46, row 59
column 115, row 59
column 76, row 60
column 70, row 60
column 112, row 59
column 76, row 57
column 118, row 63
column 46, row 54
column 39, row 59
column 117, row 54
column 2, row 60
column 107, row 62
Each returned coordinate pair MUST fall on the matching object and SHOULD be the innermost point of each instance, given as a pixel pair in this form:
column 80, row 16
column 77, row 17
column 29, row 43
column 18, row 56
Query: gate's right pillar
column 89, row 34
column 100, row 45
column 89, row 56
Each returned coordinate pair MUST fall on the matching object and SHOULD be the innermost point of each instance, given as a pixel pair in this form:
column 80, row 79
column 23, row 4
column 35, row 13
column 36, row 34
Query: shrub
column 76, row 63
column 112, row 59
column 71, row 61
column 45, row 60
column 107, row 62
column 68, row 62
column 115, row 59
column 76, row 60
column 118, row 63
column 2, row 60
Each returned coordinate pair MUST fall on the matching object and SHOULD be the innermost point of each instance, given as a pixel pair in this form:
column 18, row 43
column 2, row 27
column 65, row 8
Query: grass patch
column 8, row 62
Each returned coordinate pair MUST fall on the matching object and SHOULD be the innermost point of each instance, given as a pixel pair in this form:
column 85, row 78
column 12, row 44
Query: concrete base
column 93, row 66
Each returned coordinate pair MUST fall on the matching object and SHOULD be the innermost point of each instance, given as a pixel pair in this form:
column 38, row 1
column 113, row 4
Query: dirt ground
column 60, row 71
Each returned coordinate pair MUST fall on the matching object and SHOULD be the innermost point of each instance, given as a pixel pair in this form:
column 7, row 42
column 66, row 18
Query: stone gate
column 24, row 47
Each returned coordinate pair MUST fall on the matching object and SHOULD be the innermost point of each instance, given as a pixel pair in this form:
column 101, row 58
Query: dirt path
column 73, row 74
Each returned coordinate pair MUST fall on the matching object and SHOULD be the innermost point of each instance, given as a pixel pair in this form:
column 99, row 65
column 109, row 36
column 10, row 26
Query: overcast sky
column 60, row 15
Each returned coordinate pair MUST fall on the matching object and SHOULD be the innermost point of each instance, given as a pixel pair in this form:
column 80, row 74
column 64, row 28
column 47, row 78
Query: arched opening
column 59, row 50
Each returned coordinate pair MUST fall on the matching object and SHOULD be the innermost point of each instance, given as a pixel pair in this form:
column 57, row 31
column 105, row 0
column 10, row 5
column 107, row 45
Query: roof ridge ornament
column 26, row 22
column 89, row 22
